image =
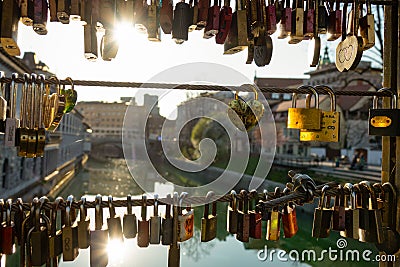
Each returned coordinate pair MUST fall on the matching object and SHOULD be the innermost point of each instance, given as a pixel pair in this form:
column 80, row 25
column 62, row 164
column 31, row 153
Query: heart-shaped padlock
column 245, row 115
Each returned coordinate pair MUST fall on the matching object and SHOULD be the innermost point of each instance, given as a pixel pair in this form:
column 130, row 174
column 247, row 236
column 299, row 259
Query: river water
column 112, row 177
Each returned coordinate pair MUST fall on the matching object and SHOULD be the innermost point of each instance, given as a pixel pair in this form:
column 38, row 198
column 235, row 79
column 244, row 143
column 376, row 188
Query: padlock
column 181, row 22
column 3, row 105
column 304, row 118
column 39, row 127
column 314, row 46
column 76, row 10
column 58, row 105
column 107, row 16
column 349, row 51
column 334, row 28
column 166, row 16
column 98, row 238
column 375, row 233
column 322, row 18
column 367, row 27
column 322, row 216
column 243, row 224
column 388, row 220
column 254, row 16
column 285, row 26
column 19, row 217
column 265, row 213
column 32, row 133
column 125, row 10
column 26, row 7
column 174, row 248
column 263, row 48
column 143, row 237
column 108, row 46
column 209, row 221
column 364, row 223
column 139, row 16
column 63, row 11
column 237, row 111
column 7, row 231
column 297, row 33
column 194, row 15
column 352, row 215
column 167, row 224
column 38, row 238
column 289, row 220
column 40, row 17
column 53, row 10
column 129, row 221
column 69, row 233
column 202, row 18
column 114, row 223
column 185, row 220
column 10, row 14
column 71, row 96
column 271, row 19
column 309, row 20
column 330, row 123
column 22, row 132
column 338, row 214
column 274, row 222
column 236, row 40
column 384, row 121
column 90, row 42
column 255, row 216
column 55, row 240
column 153, row 22
column 83, row 226
column 232, row 214
column 225, row 21
column 155, row 223
column 212, row 26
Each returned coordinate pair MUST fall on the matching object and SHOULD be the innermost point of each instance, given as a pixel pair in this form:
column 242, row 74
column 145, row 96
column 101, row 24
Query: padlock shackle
column 98, row 213
column 8, row 212
column 68, row 210
column 393, row 97
column 168, row 207
column 144, row 208
column 331, row 93
column 322, row 200
column 13, row 95
column 83, row 209
column 56, row 206
column 129, row 204
column 294, row 97
column 233, row 202
column 208, row 199
column 111, row 207
column 155, row 211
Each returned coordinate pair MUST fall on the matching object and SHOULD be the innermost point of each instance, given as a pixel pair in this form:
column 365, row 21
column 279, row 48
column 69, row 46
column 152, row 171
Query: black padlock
column 322, row 217
column 181, row 22
column 384, row 122
column 167, row 224
column 114, row 223
column 129, row 221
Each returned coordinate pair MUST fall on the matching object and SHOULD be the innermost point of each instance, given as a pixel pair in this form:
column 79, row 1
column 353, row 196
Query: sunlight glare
column 116, row 251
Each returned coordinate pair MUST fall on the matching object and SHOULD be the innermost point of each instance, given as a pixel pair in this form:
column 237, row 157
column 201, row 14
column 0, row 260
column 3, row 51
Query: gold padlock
column 330, row 124
column 304, row 118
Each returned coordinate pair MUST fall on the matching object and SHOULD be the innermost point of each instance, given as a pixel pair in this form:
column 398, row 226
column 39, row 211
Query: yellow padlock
column 305, row 118
column 330, row 124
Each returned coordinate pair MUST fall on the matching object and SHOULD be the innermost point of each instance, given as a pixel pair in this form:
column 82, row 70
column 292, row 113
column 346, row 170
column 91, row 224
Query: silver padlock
column 155, row 224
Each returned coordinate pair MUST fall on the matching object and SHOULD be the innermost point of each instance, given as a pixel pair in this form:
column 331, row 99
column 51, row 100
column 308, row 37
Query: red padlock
column 309, row 20
column 271, row 17
column 286, row 21
column 7, row 232
column 225, row 20
column 212, row 20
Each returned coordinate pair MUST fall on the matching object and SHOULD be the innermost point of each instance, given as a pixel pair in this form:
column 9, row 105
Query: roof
column 277, row 82
column 13, row 63
column 353, row 103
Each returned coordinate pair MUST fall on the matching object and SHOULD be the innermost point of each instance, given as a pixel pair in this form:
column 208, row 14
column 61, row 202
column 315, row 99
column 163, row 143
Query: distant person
column 361, row 162
column 354, row 161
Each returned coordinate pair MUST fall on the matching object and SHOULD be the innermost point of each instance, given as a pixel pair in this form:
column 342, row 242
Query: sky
column 139, row 60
